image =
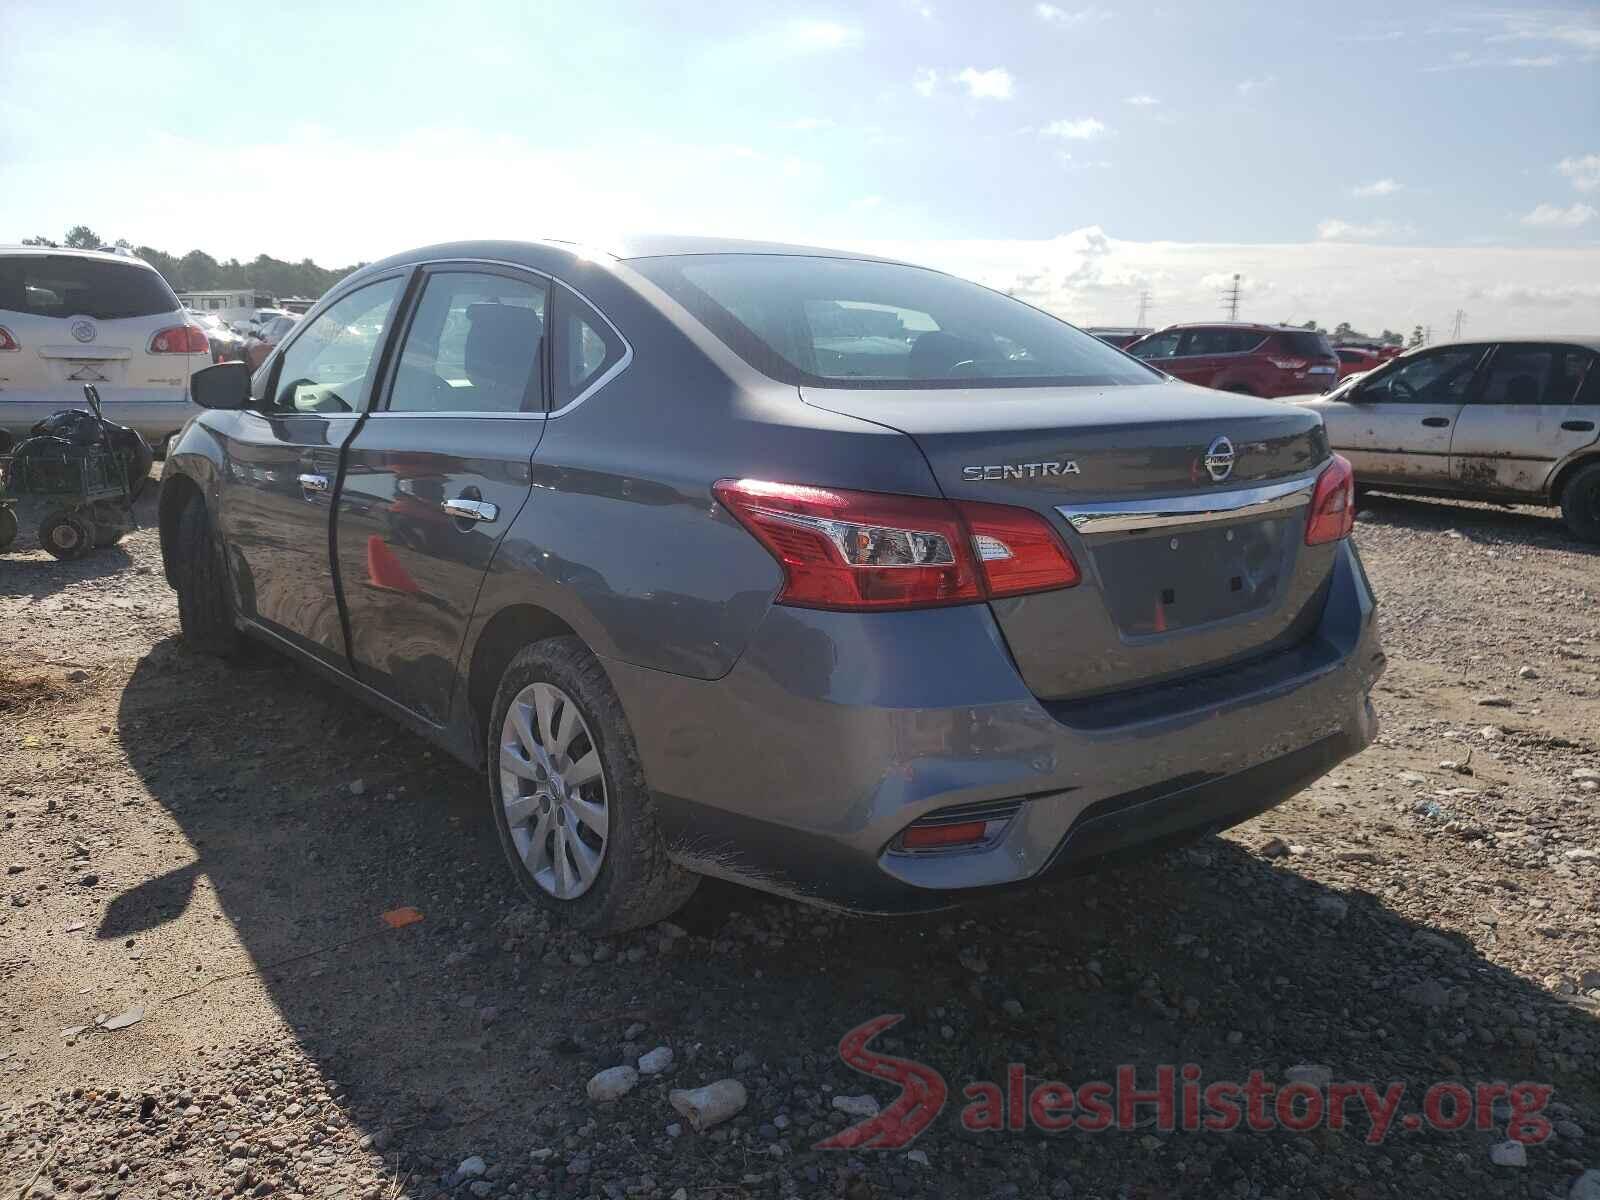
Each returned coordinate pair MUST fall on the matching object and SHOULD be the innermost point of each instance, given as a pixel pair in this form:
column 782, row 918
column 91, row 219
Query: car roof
column 618, row 249
column 1262, row 325
column 1588, row 341
column 19, row 251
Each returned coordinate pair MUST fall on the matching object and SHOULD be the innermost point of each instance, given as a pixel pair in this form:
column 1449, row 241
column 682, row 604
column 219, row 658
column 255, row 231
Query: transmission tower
column 1230, row 299
column 1461, row 318
column 1144, row 308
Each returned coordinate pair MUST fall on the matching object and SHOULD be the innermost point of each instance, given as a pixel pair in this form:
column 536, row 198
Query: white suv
column 70, row 317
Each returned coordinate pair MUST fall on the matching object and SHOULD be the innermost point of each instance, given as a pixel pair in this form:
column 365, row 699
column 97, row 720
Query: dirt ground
column 209, row 850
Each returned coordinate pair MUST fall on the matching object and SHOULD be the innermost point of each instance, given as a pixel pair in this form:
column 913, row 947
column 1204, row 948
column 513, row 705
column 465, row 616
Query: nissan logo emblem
column 1219, row 460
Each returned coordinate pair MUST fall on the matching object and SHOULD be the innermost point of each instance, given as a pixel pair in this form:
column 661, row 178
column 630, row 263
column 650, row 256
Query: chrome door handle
column 472, row 510
column 314, row 483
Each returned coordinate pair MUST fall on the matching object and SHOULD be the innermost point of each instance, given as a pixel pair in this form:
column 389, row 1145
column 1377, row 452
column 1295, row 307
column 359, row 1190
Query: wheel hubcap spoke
column 591, row 815
column 520, row 808
column 544, row 700
column 511, row 761
column 582, row 771
column 586, row 859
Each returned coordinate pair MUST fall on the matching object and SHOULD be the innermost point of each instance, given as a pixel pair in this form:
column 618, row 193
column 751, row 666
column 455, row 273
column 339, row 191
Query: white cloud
column 808, row 123
column 1379, row 187
column 1055, row 15
column 1553, row 216
column 925, row 81
column 1580, row 30
column 1246, row 86
column 1081, row 130
column 1142, row 100
column 1336, row 230
column 807, row 36
column 994, row 84
column 1584, row 172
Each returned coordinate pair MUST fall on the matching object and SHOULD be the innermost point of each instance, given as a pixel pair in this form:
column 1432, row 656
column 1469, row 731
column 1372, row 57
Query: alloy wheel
column 553, row 790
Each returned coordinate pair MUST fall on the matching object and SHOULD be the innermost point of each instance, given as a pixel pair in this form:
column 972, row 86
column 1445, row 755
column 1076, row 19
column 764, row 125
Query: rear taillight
column 180, row 339
column 867, row 550
column 7, row 342
column 1333, row 504
column 1290, row 364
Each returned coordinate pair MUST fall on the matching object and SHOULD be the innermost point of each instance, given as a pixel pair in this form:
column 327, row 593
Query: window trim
column 1384, row 370
column 413, row 296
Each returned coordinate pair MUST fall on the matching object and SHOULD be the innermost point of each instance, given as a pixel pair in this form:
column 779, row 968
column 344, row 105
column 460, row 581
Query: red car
column 1356, row 358
column 261, row 344
column 1258, row 360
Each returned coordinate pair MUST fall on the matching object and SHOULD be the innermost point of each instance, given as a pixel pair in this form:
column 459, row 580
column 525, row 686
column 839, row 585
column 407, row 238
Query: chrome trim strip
column 1202, row 508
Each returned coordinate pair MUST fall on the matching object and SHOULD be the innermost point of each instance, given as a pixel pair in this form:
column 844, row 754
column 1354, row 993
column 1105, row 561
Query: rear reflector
column 7, row 342
column 853, row 550
column 180, row 339
column 1333, row 504
column 927, row 837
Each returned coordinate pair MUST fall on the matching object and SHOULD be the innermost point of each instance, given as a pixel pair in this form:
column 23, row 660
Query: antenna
column 1230, row 298
column 1144, row 308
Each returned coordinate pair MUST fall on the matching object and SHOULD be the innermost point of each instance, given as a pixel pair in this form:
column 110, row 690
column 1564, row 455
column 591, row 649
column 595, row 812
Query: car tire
column 630, row 880
column 205, row 612
column 68, row 536
column 8, row 527
column 1580, row 502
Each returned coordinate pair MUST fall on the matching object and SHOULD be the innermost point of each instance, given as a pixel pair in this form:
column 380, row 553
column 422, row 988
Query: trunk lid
column 1184, row 508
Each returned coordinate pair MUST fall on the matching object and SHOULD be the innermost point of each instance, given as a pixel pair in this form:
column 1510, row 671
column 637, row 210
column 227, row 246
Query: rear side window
column 1221, row 341
column 60, row 285
column 1306, row 344
column 586, row 347
column 1577, row 369
column 1517, row 376
column 831, row 322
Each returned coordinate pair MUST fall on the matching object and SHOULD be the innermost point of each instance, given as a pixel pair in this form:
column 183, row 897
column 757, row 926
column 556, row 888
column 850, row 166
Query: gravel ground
column 202, row 855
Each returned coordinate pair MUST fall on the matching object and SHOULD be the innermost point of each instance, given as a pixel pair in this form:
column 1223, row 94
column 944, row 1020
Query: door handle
column 314, row 483
column 472, row 510
column 1436, row 422
column 1578, row 426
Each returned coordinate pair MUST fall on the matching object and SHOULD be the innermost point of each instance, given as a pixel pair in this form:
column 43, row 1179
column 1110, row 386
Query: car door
column 1157, row 349
column 436, row 475
column 1539, row 405
column 281, row 467
column 1395, row 427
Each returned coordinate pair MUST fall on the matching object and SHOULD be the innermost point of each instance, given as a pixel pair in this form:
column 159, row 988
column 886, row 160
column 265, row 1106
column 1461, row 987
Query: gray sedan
column 834, row 576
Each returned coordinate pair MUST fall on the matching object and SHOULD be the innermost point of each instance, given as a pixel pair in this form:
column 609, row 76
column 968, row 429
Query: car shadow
column 474, row 1031
column 1479, row 522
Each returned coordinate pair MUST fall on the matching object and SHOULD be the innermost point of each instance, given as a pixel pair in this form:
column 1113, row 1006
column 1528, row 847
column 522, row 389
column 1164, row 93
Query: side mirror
column 222, row 385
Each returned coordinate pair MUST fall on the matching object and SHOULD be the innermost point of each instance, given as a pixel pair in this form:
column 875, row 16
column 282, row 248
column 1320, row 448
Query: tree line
column 198, row 271
column 1342, row 332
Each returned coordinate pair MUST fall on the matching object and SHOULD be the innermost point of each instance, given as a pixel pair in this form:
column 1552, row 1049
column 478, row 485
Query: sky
column 1379, row 163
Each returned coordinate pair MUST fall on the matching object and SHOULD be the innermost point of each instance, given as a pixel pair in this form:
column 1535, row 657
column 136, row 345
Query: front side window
column 1442, row 377
column 1517, row 375
column 1157, row 345
column 63, row 285
column 475, row 345
column 832, row 322
column 328, row 368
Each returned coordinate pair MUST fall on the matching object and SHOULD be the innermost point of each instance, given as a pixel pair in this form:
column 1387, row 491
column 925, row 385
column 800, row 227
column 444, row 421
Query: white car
column 70, row 317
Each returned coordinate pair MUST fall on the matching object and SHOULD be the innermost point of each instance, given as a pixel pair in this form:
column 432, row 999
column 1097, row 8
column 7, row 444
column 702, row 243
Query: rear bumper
column 154, row 412
column 796, row 771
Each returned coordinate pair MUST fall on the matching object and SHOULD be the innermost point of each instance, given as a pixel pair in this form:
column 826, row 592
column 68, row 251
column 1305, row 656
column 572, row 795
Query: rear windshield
column 833, row 322
column 1307, row 344
column 62, row 286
